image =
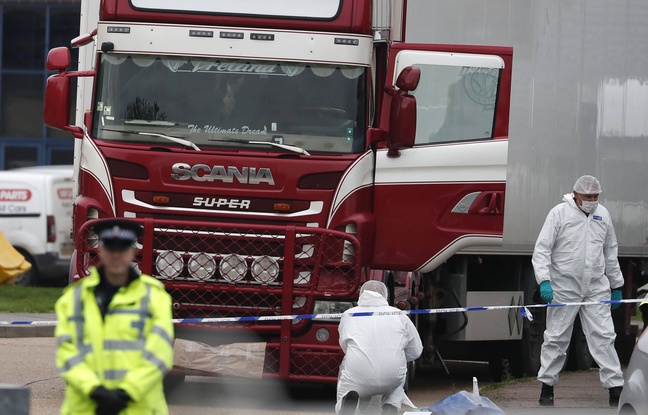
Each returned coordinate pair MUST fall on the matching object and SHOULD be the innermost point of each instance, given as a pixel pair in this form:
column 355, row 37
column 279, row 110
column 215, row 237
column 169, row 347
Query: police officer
column 114, row 332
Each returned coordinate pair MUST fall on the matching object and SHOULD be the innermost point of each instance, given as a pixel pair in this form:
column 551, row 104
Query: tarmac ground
column 27, row 359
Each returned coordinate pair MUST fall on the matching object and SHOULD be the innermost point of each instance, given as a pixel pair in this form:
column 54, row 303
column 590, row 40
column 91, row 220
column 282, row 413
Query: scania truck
column 278, row 151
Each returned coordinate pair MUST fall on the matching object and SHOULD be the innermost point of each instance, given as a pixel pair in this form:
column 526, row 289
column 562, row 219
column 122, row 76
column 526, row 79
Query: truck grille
column 223, row 270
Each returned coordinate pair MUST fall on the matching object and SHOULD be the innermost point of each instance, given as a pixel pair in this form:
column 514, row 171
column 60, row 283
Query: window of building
column 22, row 105
column 28, row 30
column 15, row 157
column 61, row 156
column 23, row 38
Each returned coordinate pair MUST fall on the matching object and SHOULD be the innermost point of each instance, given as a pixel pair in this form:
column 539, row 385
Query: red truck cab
column 275, row 151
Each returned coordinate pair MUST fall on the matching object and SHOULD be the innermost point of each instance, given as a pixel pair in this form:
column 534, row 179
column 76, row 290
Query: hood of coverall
column 372, row 299
column 569, row 199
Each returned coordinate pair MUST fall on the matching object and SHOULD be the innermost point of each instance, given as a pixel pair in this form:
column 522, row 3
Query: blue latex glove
column 616, row 295
column 546, row 292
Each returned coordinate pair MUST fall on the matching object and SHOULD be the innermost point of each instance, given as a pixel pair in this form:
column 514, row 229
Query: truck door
column 446, row 192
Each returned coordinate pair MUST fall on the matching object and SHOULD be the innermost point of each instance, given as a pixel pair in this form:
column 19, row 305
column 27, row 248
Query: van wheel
column 31, row 276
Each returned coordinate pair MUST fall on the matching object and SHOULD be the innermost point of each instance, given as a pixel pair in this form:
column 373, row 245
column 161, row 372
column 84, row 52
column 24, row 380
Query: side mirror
column 402, row 112
column 56, row 112
column 58, row 59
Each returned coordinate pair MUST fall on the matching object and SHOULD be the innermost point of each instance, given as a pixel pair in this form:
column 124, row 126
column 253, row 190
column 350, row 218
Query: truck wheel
column 30, row 277
column 578, row 357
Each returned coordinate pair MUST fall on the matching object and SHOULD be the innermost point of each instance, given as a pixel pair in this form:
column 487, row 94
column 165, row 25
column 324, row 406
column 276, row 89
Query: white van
column 36, row 219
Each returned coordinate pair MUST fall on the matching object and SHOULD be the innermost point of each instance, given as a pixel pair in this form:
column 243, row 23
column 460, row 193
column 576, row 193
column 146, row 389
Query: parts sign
column 15, row 195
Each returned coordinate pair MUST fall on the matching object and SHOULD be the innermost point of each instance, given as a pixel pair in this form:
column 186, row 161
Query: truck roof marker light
column 118, row 29
column 281, row 207
column 232, row 35
column 262, row 36
column 201, row 33
column 346, row 41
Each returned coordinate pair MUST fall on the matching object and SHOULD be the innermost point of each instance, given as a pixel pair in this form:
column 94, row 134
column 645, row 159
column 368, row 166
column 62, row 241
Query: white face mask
column 588, row 207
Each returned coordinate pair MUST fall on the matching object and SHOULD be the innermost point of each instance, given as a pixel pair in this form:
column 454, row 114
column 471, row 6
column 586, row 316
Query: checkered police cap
column 117, row 233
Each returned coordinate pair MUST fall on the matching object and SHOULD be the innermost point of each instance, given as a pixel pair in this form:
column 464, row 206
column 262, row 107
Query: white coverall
column 578, row 255
column 377, row 349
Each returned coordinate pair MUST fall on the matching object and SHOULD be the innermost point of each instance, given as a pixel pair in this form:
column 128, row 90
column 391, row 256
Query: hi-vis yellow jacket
column 131, row 349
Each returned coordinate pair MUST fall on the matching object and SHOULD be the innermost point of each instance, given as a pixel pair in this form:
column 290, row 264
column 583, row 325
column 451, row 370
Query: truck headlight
column 331, row 307
column 265, row 269
column 201, row 266
column 169, row 264
column 233, row 267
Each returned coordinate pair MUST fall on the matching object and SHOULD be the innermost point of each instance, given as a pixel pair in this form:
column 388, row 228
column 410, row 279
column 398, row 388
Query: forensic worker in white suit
column 377, row 349
column 575, row 260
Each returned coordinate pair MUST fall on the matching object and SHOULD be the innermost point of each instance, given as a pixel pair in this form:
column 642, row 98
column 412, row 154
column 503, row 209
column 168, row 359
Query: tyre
column 30, row 277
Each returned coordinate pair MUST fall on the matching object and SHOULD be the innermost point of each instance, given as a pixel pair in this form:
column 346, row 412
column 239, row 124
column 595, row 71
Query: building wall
column 28, row 30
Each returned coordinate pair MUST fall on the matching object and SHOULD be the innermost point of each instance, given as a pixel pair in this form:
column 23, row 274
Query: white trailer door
column 447, row 192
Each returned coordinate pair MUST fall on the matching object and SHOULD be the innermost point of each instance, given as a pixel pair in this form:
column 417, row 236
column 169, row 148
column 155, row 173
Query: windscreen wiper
column 288, row 147
column 166, row 137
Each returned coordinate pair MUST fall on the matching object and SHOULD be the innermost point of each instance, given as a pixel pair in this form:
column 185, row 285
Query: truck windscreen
column 227, row 103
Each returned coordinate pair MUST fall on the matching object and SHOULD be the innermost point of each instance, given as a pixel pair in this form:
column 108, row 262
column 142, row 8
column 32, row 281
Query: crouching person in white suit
column 377, row 349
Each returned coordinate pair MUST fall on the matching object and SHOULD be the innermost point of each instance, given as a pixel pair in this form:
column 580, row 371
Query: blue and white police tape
column 524, row 310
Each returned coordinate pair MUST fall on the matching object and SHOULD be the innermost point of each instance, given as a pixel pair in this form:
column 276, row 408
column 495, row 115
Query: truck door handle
column 488, row 203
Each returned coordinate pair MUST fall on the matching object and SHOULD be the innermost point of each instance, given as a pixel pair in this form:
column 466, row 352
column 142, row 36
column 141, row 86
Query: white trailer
column 579, row 105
